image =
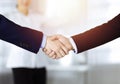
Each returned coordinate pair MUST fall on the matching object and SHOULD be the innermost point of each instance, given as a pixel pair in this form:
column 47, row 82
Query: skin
column 23, row 6
column 62, row 43
column 54, row 48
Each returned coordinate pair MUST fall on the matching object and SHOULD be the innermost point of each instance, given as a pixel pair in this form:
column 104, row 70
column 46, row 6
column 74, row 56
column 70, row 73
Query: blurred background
column 100, row 65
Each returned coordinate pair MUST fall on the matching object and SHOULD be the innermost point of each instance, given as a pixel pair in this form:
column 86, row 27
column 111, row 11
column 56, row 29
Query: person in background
column 27, row 67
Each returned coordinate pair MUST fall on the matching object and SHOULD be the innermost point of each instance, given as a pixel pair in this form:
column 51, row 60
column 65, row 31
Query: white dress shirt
column 74, row 45
column 19, row 57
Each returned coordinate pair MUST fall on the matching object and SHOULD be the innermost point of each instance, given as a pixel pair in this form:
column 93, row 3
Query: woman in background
column 27, row 67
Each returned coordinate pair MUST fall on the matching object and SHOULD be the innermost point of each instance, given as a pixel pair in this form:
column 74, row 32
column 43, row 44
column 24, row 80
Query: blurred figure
column 27, row 67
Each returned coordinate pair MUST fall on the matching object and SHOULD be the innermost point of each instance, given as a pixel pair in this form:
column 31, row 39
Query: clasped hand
column 57, row 46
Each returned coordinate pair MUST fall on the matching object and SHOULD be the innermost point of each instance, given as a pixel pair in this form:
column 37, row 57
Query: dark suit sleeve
column 98, row 35
column 20, row 36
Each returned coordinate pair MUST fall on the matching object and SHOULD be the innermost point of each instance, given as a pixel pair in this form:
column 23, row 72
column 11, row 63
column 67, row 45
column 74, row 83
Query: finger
column 53, row 37
column 59, row 54
column 48, row 51
column 62, row 53
column 59, row 51
column 53, row 57
column 57, row 57
column 44, row 49
column 52, row 54
column 63, row 43
column 65, row 50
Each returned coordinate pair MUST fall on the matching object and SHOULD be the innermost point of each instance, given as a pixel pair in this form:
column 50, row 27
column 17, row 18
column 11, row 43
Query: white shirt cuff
column 73, row 44
column 43, row 41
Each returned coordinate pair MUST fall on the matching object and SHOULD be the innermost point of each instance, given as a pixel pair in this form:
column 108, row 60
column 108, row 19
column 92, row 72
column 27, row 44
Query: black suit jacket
column 98, row 35
column 23, row 37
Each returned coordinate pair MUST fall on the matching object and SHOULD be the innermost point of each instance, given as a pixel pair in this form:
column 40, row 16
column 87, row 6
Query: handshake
column 57, row 46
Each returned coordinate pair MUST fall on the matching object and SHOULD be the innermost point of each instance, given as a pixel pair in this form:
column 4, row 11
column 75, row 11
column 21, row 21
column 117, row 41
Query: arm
column 23, row 37
column 94, row 37
column 28, row 39
column 98, row 35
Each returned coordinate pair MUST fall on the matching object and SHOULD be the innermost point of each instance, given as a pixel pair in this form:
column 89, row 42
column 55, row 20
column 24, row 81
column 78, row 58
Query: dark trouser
column 29, row 76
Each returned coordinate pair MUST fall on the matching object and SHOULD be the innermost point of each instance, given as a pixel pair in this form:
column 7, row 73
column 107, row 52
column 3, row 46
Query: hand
column 63, row 42
column 54, row 48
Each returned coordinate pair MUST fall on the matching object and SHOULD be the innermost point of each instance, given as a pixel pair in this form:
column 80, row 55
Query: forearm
column 98, row 35
column 23, row 37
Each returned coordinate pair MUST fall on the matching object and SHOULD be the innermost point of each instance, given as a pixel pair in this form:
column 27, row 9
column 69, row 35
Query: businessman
column 29, row 39
column 91, row 38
